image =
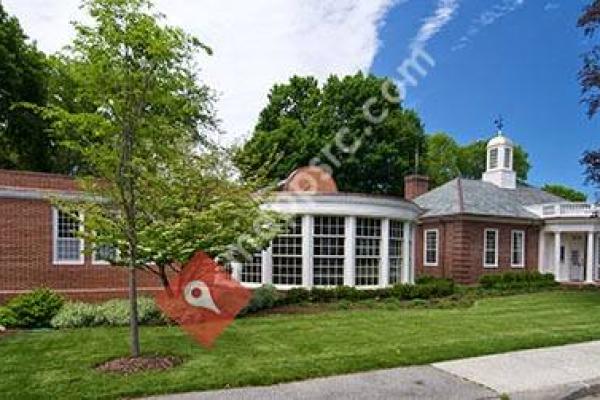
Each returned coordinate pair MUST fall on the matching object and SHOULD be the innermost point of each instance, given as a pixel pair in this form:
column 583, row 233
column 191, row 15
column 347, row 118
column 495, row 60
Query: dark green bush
column 295, row 296
column 34, row 309
column 7, row 317
column 517, row 280
column 263, row 298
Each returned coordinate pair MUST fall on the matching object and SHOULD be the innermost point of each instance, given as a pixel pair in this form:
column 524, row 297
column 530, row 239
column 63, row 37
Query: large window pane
column 491, row 250
column 328, row 248
column 395, row 251
column 287, row 255
column 252, row 269
column 367, row 260
column 68, row 246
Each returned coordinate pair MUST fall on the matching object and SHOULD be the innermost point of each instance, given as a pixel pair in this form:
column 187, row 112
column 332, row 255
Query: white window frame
column 512, row 248
column 437, row 247
column 55, row 260
column 485, row 249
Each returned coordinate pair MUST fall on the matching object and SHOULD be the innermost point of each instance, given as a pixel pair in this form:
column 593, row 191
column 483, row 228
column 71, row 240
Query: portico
column 569, row 242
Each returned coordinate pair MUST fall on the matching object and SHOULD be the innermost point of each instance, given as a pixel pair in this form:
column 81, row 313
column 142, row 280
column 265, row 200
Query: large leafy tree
column 589, row 75
column 446, row 159
column 589, row 78
column 306, row 123
column 565, row 192
column 24, row 142
column 128, row 101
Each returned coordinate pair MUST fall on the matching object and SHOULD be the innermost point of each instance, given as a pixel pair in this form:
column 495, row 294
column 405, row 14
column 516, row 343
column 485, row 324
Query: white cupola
column 499, row 169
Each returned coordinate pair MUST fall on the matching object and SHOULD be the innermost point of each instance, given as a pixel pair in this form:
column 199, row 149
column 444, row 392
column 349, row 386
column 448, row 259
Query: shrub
column 77, row 315
column 295, row 296
column 7, row 317
column 264, row 297
column 32, row 310
column 111, row 313
column 517, row 280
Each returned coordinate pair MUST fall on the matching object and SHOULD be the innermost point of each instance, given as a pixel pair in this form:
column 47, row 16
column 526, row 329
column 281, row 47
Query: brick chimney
column 415, row 185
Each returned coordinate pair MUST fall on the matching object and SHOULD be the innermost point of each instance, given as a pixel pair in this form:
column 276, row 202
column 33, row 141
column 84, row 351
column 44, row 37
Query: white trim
column 437, row 247
column 406, row 253
column 485, row 249
column 523, row 246
column 384, row 249
column 349, row 250
column 55, row 260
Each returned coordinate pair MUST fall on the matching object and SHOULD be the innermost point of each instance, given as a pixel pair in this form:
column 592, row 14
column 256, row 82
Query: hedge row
column 111, row 313
column 31, row 310
column 267, row 296
column 517, row 280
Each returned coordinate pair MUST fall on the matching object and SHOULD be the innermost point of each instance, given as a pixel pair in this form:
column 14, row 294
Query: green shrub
column 295, row 296
column 517, row 280
column 7, row 317
column 33, row 310
column 77, row 315
column 111, row 313
column 263, row 298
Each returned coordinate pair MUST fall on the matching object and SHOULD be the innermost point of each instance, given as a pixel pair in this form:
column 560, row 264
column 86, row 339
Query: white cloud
column 443, row 14
column 487, row 18
column 256, row 43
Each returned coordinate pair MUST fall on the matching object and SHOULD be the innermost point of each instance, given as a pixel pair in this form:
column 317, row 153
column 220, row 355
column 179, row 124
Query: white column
column 384, row 248
column 406, row 253
column 541, row 251
column 307, row 253
column 589, row 265
column 267, row 266
column 557, row 256
column 236, row 270
column 349, row 250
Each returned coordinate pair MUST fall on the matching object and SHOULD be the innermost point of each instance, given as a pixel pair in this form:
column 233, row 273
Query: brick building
column 460, row 230
column 37, row 247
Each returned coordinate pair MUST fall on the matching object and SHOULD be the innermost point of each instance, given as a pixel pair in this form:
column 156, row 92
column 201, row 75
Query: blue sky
column 523, row 66
column 520, row 59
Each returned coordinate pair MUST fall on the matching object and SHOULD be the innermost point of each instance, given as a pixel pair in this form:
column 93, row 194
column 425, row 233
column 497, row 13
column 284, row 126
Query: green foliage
column 7, row 317
column 111, row 313
column 25, row 142
column 565, row 192
column 299, row 125
column 517, row 280
column 263, row 298
column 446, row 159
column 32, row 310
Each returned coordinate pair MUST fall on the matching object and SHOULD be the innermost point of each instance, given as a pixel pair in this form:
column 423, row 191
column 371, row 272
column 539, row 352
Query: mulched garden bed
column 132, row 365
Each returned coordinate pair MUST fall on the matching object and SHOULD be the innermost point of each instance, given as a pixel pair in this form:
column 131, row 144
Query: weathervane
column 499, row 122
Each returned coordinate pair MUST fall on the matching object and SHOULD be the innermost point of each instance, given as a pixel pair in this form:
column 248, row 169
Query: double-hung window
column 287, row 254
column 328, row 249
column 395, row 251
column 252, row 269
column 368, row 251
column 490, row 248
column 104, row 254
column 517, row 246
column 68, row 245
column 430, row 247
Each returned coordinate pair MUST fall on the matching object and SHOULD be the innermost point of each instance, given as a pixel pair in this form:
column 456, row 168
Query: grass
column 278, row 348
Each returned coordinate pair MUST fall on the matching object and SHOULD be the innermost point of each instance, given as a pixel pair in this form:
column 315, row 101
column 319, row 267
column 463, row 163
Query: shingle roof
column 468, row 196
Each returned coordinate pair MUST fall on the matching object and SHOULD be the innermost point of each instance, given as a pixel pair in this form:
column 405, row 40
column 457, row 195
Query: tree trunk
column 134, row 329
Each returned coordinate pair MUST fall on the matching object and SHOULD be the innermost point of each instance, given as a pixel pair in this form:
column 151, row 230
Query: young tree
column 565, row 192
column 303, row 122
column 134, row 110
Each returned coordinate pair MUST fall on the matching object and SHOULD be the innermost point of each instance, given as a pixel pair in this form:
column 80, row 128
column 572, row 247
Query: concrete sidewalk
column 570, row 372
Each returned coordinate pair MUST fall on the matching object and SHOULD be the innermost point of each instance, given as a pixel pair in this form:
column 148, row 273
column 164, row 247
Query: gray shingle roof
column 468, row 196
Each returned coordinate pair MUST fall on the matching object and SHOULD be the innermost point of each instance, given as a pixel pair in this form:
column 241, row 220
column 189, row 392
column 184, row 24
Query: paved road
column 569, row 372
column 399, row 383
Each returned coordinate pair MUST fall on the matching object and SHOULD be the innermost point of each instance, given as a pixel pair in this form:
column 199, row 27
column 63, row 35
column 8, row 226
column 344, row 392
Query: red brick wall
column 26, row 257
column 36, row 180
column 461, row 248
column 415, row 185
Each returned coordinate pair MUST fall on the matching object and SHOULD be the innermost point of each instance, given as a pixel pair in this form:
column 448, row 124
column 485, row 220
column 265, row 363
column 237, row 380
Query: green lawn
column 265, row 350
